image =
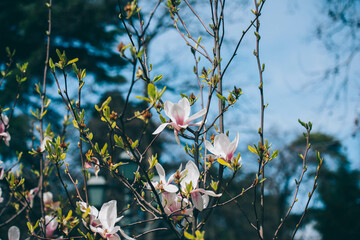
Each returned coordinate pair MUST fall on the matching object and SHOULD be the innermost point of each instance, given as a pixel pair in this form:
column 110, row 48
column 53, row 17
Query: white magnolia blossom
column 43, row 143
column 103, row 221
column 1, row 198
column 179, row 113
column 222, row 147
column 163, row 184
column 4, row 134
column 31, row 195
column 191, row 175
column 14, row 233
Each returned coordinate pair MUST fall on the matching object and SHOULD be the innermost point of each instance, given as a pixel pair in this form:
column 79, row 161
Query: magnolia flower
column 222, row 147
column 163, row 184
column 1, row 173
column 43, row 143
column 175, row 204
column 48, row 201
column 1, row 198
column 103, row 221
column 4, row 135
column 190, row 177
column 51, row 224
column 90, row 165
column 179, row 113
column 14, row 233
column 31, row 195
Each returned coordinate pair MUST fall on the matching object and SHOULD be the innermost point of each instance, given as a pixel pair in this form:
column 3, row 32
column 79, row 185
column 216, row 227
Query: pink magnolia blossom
column 179, row 113
column 163, row 184
column 190, row 177
column 103, row 221
column 51, row 224
column 91, row 165
column 175, row 204
column 48, row 201
column 1, row 171
column 4, row 134
column 222, row 147
column 31, row 195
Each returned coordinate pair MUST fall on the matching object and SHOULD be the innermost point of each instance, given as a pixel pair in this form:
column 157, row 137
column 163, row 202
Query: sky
column 293, row 88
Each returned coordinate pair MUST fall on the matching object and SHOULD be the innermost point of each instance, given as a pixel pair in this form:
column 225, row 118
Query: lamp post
column 96, row 187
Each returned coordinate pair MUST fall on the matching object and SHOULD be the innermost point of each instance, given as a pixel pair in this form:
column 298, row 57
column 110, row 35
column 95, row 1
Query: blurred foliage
column 85, row 29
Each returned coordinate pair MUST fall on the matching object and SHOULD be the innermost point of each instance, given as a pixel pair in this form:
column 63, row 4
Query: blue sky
column 294, row 60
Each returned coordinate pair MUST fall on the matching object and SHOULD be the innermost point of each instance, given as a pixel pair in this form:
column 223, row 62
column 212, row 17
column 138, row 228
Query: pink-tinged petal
column 122, row 232
column 107, row 214
column 170, row 188
column 167, row 107
column 177, row 139
column 197, row 123
column 5, row 119
column 51, row 225
column 97, row 170
column 185, row 105
column 222, row 143
column 210, row 147
column 88, row 165
column 161, row 172
column 14, row 233
column 114, row 237
column 177, row 114
column 196, row 115
column 160, row 128
column 208, row 192
column 197, row 200
column 205, row 200
column 235, row 143
column 47, row 198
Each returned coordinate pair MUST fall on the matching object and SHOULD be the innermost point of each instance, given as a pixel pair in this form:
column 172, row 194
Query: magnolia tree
column 181, row 200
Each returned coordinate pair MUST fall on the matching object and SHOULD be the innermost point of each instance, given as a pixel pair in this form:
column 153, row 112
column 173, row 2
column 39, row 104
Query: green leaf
column 221, row 97
column 106, row 102
column 72, row 61
column 275, row 154
column 188, row 235
column 252, row 149
column 151, row 91
column 134, row 144
column 157, row 78
column 143, row 98
column 222, row 162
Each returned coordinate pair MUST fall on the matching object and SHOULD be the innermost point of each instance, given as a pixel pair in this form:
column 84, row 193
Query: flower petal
column 160, row 128
column 125, row 235
column 107, row 214
column 197, row 200
column 161, row 172
column 167, row 107
column 196, row 115
column 185, row 105
column 170, row 188
column 211, row 148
